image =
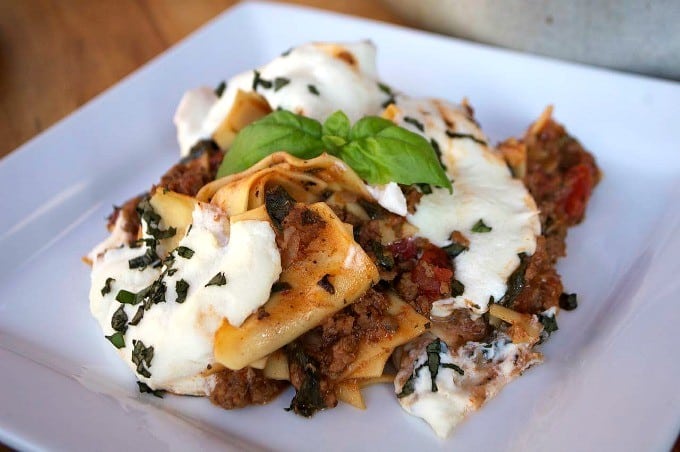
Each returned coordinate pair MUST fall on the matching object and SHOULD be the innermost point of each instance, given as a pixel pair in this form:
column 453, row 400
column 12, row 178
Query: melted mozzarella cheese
column 390, row 197
column 486, row 367
column 250, row 262
column 483, row 189
column 343, row 75
column 191, row 112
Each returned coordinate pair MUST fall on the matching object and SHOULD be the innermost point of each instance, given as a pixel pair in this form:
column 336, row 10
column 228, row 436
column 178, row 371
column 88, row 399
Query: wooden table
column 55, row 55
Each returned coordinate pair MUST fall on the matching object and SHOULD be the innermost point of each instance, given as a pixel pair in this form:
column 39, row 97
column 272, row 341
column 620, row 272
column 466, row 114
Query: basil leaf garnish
column 377, row 149
column 381, row 152
column 278, row 131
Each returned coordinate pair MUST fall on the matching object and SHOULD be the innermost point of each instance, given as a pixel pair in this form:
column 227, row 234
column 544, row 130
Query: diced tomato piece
column 437, row 257
column 580, row 182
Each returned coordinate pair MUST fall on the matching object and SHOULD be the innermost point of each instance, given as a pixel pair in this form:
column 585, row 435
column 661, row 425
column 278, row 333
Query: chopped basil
column 137, row 317
column 309, row 397
column 181, row 287
column 141, row 357
column 409, row 387
column 549, row 323
column 433, row 360
column 107, row 286
column 454, row 367
column 312, row 89
column 568, row 301
column 127, row 297
column 515, row 281
column 200, row 148
column 172, row 271
column 117, row 339
column 386, row 261
column 372, row 208
column 149, row 258
column 457, row 288
column 278, row 203
column 481, row 227
column 468, row 136
column 259, row 81
column 326, row 285
column 144, row 388
column 438, row 151
column 119, row 319
column 156, row 293
column 454, row 249
column 185, row 252
column 220, row 88
column 280, row 82
column 387, row 90
column 433, row 364
column 419, row 125
column 217, row 280
column 426, row 189
column 287, row 52
column 152, row 220
column 280, row 286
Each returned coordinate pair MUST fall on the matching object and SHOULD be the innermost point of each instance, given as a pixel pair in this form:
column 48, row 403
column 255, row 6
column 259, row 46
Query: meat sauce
column 560, row 174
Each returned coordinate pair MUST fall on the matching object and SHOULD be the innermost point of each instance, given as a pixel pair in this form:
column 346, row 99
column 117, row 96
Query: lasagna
column 326, row 231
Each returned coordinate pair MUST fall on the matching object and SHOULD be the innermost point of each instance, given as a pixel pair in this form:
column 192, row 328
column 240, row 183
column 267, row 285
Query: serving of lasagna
column 326, row 231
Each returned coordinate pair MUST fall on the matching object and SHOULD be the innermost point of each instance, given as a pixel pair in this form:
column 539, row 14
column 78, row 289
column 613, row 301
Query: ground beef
column 248, row 386
column 560, row 175
column 299, row 228
column 334, row 344
column 425, row 273
column 190, row 175
column 542, row 283
column 460, row 328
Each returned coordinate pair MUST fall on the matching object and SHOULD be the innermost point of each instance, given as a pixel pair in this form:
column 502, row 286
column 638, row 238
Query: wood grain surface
column 55, row 55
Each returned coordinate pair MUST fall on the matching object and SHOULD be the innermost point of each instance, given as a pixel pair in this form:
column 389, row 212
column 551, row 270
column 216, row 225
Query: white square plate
column 610, row 377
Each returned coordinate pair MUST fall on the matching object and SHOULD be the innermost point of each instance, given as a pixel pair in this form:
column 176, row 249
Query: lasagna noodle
column 372, row 356
column 307, row 181
column 331, row 255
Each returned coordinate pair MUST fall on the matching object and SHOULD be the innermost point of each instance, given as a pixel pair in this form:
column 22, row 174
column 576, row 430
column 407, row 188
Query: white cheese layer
column 182, row 334
column 483, row 189
column 485, row 367
column 390, row 197
column 191, row 112
column 321, row 79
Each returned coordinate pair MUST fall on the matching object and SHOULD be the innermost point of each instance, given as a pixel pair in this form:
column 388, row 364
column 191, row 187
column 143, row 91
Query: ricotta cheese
column 483, row 189
column 249, row 263
column 390, row 197
column 482, row 369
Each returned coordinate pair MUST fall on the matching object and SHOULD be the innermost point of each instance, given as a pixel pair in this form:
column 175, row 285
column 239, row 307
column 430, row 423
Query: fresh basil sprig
column 377, row 149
